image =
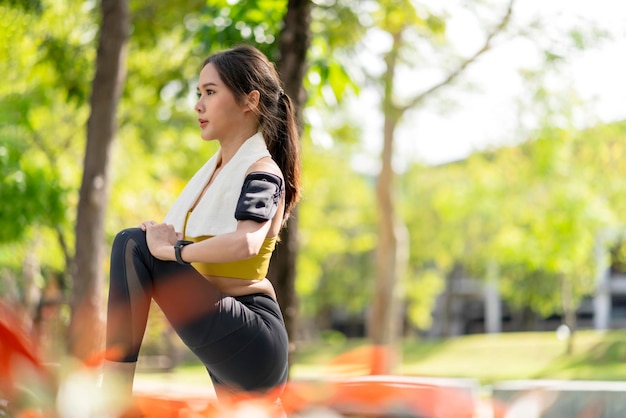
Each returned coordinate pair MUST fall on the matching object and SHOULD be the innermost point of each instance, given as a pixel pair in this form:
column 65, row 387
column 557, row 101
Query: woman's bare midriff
column 242, row 287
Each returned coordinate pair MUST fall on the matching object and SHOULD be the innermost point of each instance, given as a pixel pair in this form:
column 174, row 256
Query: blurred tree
column 33, row 129
column 402, row 22
column 293, row 45
column 564, row 214
column 338, row 236
column 84, row 334
column 534, row 209
column 452, row 212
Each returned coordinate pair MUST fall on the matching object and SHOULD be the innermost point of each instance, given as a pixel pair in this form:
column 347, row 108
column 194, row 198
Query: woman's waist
column 242, row 287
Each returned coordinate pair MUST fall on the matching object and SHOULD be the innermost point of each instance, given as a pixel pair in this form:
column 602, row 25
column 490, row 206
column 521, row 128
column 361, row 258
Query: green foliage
column 535, row 209
column 30, row 192
column 154, row 21
column 337, row 233
column 31, row 6
column 395, row 16
column 524, row 287
column 338, row 25
column 70, row 63
column 32, row 188
column 422, row 289
column 223, row 24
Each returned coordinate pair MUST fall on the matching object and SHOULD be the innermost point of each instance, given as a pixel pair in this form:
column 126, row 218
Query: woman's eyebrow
column 210, row 83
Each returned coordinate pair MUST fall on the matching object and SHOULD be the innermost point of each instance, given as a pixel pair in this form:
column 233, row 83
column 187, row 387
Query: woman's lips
column 203, row 122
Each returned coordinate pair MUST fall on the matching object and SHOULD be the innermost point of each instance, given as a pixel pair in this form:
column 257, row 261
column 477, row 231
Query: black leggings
column 242, row 341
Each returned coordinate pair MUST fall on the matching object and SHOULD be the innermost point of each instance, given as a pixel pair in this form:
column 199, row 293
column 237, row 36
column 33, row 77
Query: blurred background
column 463, row 164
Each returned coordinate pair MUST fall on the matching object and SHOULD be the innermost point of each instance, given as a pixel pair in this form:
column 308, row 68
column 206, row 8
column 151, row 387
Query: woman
column 205, row 266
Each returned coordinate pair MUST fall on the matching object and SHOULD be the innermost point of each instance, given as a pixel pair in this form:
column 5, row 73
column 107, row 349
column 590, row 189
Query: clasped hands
column 161, row 239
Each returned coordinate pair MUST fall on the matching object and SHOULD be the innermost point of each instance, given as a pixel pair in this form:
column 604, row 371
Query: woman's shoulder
column 266, row 164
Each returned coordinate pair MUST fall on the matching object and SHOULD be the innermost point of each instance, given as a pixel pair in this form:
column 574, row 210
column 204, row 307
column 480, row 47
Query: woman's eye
column 208, row 93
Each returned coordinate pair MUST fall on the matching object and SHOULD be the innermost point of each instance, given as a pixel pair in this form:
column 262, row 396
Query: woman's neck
column 229, row 147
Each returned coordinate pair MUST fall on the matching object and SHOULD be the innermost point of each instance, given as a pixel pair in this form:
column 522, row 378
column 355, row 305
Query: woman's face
column 219, row 115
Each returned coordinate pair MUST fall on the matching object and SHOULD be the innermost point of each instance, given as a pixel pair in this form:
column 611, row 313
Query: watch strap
column 177, row 250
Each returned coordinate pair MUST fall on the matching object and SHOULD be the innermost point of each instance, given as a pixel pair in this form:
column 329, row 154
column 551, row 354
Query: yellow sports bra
column 254, row 268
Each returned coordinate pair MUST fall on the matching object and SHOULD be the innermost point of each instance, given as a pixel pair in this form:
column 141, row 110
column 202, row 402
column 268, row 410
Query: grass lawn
column 595, row 356
column 487, row 358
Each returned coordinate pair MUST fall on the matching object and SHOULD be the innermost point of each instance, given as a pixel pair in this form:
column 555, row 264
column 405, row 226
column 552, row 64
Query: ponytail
column 285, row 150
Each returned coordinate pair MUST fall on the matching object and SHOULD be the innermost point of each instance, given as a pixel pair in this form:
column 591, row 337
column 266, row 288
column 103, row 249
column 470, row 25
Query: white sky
column 487, row 116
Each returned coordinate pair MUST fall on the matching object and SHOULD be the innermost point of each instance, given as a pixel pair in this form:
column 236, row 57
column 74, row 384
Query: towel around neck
column 215, row 212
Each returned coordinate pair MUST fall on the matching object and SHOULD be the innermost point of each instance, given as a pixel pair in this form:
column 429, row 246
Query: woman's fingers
column 144, row 225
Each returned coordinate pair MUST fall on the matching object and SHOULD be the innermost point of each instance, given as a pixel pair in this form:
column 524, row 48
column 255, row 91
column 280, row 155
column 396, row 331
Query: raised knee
column 136, row 234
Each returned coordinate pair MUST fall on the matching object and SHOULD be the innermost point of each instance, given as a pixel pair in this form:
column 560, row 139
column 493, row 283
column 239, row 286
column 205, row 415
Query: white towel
column 215, row 213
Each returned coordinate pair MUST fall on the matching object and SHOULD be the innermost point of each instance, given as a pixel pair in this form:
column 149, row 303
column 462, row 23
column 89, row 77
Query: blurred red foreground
column 372, row 395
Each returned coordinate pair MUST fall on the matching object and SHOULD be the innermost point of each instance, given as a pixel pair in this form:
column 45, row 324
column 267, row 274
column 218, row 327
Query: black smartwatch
column 179, row 246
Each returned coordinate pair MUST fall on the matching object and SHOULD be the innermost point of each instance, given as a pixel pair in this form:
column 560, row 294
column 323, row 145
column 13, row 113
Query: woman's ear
column 252, row 100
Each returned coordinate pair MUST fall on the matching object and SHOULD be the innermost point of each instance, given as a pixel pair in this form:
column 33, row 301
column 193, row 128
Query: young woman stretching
column 205, row 266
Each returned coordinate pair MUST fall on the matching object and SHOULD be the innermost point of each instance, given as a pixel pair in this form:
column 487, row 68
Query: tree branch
column 459, row 70
column 64, row 247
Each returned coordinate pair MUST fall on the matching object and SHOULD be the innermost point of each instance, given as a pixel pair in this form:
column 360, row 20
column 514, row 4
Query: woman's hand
column 161, row 239
column 146, row 224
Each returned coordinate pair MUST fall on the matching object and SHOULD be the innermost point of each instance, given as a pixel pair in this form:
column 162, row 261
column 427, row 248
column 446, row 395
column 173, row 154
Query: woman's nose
column 198, row 107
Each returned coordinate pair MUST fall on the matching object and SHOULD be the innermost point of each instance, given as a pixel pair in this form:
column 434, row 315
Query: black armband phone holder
column 259, row 198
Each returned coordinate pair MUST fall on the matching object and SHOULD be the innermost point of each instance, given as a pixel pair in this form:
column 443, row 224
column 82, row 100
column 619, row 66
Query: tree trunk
column 569, row 312
column 85, row 332
column 32, row 293
column 293, row 44
column 450, row 321
column 392, row 253
column 385, row 316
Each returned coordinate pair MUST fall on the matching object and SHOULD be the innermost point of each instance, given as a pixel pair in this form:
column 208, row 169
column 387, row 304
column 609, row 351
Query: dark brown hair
column 244, row 69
